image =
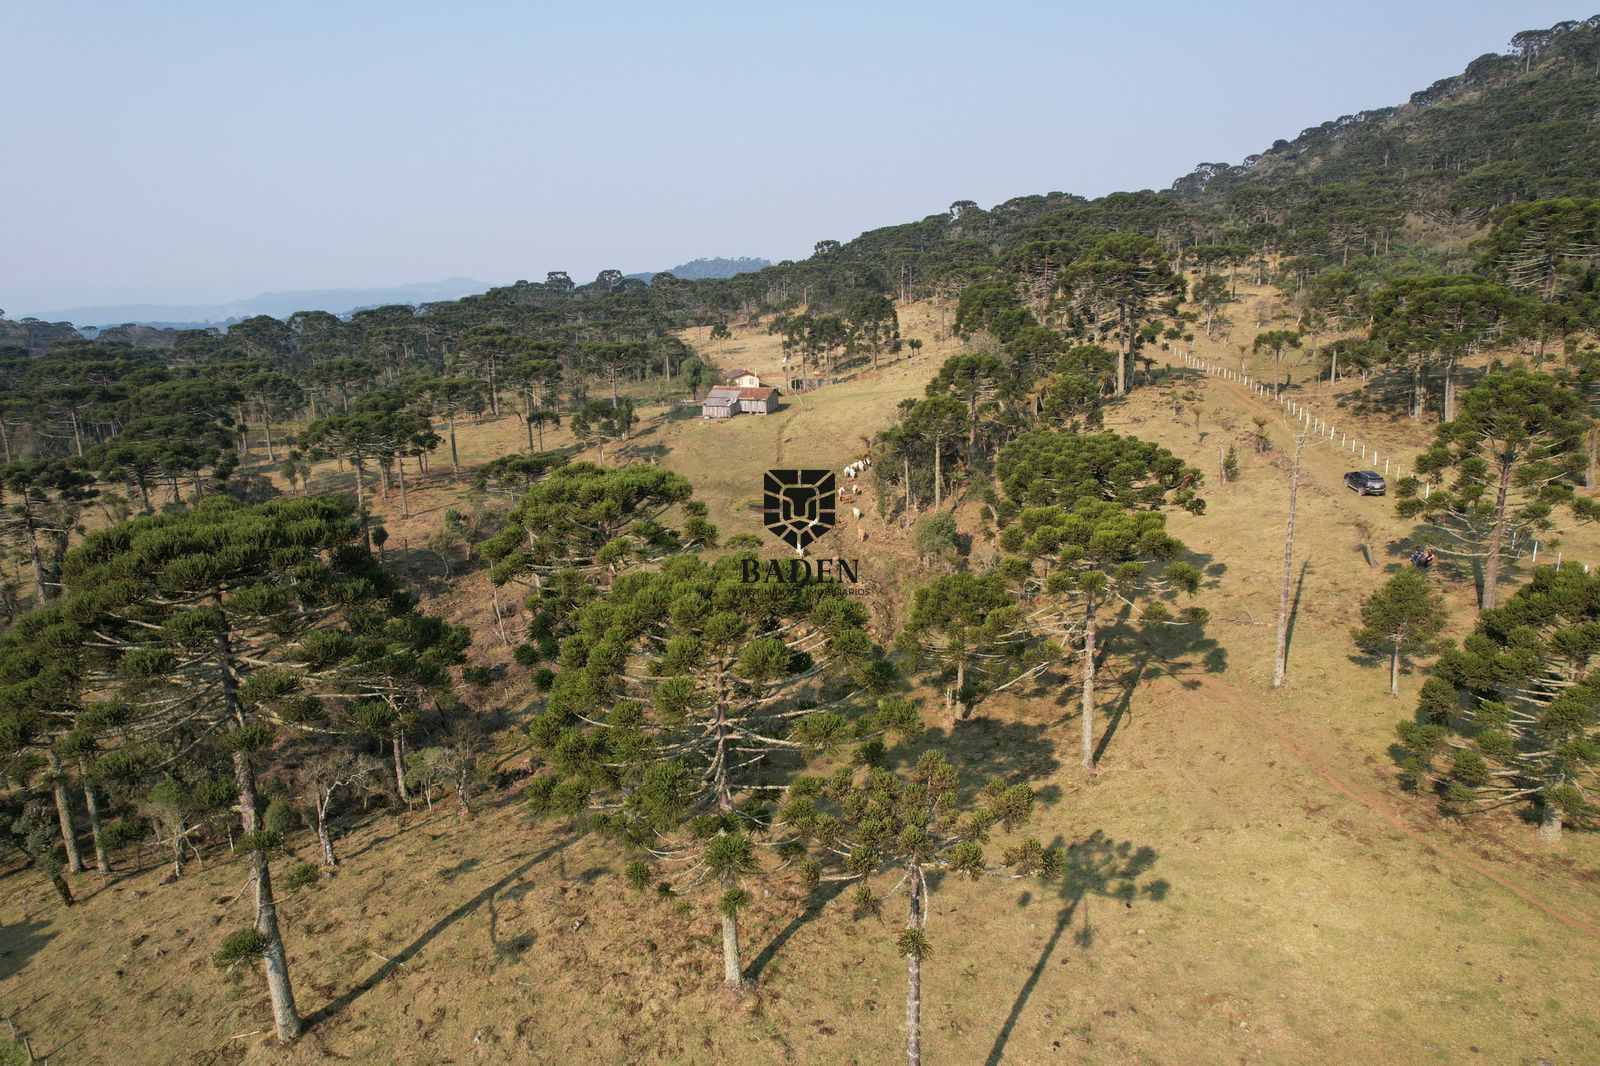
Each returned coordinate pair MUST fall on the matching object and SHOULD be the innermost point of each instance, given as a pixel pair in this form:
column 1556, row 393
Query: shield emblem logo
column 798, row 505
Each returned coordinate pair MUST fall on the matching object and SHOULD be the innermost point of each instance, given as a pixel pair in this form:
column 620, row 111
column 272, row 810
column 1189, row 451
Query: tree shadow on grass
column 825, row 894
column 1181, row 652
column 20, row 942
column 369, row 844
column 1129, row 681
column 1095, row 866
column 982, row 748
column 1294, row 609
column 410, row 950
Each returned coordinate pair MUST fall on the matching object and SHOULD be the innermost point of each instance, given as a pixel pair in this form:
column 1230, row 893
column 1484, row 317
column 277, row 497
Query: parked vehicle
column 1366, row 483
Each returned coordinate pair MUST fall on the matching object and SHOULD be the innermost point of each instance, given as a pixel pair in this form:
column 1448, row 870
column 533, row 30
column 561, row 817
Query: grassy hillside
column 1244, row 880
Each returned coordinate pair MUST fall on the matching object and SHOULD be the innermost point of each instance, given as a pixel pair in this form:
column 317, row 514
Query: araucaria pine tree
column 229, row 621
column 683, row 696
column 571, row 533
column 963, row 623
column 1505, row 465
column 1404, row 618
column 1084, row 538
column 41, row 691
column 897, row 829
column 1513, row 716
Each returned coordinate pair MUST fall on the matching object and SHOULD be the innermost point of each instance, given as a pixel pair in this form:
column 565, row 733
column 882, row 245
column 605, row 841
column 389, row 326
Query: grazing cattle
column 857, row 512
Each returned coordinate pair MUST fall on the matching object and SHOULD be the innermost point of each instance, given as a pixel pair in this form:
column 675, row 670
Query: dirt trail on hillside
column 1325, row 462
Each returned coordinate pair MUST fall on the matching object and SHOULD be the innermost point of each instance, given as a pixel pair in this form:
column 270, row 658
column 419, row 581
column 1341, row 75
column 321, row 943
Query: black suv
column 1365, row 482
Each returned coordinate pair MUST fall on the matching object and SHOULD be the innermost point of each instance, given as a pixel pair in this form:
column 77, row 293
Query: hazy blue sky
column 181, row 152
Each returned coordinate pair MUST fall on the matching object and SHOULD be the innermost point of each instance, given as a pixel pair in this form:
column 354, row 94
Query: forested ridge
column 212, row 645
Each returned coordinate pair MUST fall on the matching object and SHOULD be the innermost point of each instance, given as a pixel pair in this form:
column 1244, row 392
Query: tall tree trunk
column 915, row 921
column 1550, row 823
column 1449, row 409
column 1280, row 665
column 732, row 964
column 274, row 961
column 266, row 429
column 455, row 459
column 961, row 683
column 1394, row 670
column 35, row 557
column 63, row 890
column 938, row 472
column 69, row 836
column 499, row 620
column 1592, row 451
column 400, row 475
column 361, row 504
column 102, row 859
column 325, row 838
column 397, row 742
column 1497, row 537
column 1088, row 684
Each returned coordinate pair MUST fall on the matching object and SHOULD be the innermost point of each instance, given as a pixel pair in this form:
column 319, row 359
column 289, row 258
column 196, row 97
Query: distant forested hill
column 276, row 304
column 703, row 269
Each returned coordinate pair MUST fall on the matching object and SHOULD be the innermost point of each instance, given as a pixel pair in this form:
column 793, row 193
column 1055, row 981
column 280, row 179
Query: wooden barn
column 758, row 400
column 720, row 402
column 725, row 401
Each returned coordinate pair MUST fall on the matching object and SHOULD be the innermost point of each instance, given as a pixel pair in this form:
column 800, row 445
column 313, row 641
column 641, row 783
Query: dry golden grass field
column 1246, row 882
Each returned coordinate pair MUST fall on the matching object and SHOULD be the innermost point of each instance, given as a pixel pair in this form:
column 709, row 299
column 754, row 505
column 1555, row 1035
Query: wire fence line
column 1310, row 421
column 1323, row 429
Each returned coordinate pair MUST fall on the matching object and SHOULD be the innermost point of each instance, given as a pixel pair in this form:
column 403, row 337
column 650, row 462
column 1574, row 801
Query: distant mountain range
column 701, row 269
column 334, row 301
column 276, row 304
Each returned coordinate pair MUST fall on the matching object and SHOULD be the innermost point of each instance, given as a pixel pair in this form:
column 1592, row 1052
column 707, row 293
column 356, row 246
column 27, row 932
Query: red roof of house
column 764, row 392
